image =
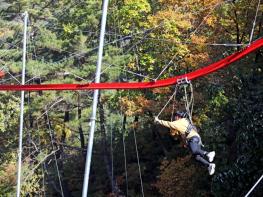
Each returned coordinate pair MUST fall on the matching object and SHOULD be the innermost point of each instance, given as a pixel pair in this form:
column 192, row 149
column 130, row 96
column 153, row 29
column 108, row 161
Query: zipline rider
column 182, row 126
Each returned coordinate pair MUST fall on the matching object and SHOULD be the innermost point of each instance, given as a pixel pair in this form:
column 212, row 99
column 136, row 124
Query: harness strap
column 189, row 128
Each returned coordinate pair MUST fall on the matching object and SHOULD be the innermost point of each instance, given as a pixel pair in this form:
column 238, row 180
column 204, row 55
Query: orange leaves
column 197, row 55
column 161, row 91
column 136, row 106
column 211, row 20
column 132, row 14
column 176, row 177
column 127, row 106
column 172, row 21
column 198, row 39
column 193, row 60
column 131, row 65
column 8, row 175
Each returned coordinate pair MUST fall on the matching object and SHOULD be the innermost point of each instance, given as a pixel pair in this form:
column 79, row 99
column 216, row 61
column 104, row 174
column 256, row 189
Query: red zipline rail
column 141, row 85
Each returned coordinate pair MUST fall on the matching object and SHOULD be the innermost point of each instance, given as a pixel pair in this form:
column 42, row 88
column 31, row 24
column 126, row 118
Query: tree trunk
column 81, row 135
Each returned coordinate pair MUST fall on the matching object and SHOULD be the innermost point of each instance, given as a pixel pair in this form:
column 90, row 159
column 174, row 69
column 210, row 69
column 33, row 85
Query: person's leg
column 202, row 160
column 199, row 153
column 210, row 155
column 195, row 147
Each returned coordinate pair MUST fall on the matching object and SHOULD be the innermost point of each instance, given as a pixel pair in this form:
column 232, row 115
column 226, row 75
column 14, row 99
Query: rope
column 192, row 95
column 43, row 164
column 210, row 12
column 13, row 76
column 10, row 78
column 59, row 99
column 78, row 77
column 173, row 110
column 53, row 148
column 112, row 170
column 123, row 38
column 173, row 95
column 193, row 43
column 254, row 23
column 138, row 161
column 128, row 71
column 143, row 85
column 165, row 68
column 137, row 74
column 124, row 149
column 215, row 44
column 254, row 186
column 31, row 79
column 189, row 103
column 43, row 181
column 125, row 158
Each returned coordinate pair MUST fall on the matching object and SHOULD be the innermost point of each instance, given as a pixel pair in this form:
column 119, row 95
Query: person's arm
column 168, row 124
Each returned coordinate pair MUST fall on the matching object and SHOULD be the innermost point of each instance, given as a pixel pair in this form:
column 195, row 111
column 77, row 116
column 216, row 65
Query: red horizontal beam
column 141, row 85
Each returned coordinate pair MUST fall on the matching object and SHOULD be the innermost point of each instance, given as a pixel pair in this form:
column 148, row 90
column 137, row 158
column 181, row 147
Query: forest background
column 142, row 38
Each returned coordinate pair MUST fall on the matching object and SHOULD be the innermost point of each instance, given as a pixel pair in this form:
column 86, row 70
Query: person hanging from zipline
column 182, row 126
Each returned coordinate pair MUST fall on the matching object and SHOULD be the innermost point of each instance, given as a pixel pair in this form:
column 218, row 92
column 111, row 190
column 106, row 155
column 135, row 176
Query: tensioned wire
column 254, row 23
column 128, row 36
column 124, row 153
column 137, row 155
column 74, row 54
column 254, row 186
column 169, row 100
column 53, row 149
column 132, row 35
column 138, row 161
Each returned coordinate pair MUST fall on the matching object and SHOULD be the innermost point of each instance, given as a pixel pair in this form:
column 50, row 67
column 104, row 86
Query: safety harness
column 189, row 128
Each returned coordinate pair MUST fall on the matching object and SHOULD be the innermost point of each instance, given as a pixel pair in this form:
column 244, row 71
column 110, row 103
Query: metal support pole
column 20, row 148
column 95, row 100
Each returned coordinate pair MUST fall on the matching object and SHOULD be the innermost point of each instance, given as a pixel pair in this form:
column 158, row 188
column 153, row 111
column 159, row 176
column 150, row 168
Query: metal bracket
column 183, row 81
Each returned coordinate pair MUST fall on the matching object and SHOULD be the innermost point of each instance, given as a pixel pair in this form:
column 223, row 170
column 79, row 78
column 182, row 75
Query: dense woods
column 142, row 38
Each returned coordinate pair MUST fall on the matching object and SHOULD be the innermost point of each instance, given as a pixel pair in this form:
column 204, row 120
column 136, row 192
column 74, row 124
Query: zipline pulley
column 189, row 100
column 183, row 81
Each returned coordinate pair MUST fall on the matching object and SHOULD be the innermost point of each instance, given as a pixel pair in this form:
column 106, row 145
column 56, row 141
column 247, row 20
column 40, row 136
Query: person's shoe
column 211, row 168
column 211, row 156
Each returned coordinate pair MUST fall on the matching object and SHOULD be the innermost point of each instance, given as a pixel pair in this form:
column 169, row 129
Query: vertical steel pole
column 95, row 100
column 20, row 148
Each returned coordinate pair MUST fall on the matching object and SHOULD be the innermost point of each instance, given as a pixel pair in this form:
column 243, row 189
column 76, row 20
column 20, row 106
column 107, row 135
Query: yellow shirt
column 179, row 127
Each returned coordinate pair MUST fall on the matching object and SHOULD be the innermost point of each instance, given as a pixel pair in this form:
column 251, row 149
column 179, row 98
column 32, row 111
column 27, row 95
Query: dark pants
column 198, row 153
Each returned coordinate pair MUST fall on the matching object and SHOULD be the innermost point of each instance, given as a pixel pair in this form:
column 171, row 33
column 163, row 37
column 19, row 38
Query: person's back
column 181, row 127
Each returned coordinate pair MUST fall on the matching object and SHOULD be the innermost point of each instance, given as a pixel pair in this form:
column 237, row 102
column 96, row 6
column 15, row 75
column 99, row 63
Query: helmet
column 180, row 114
